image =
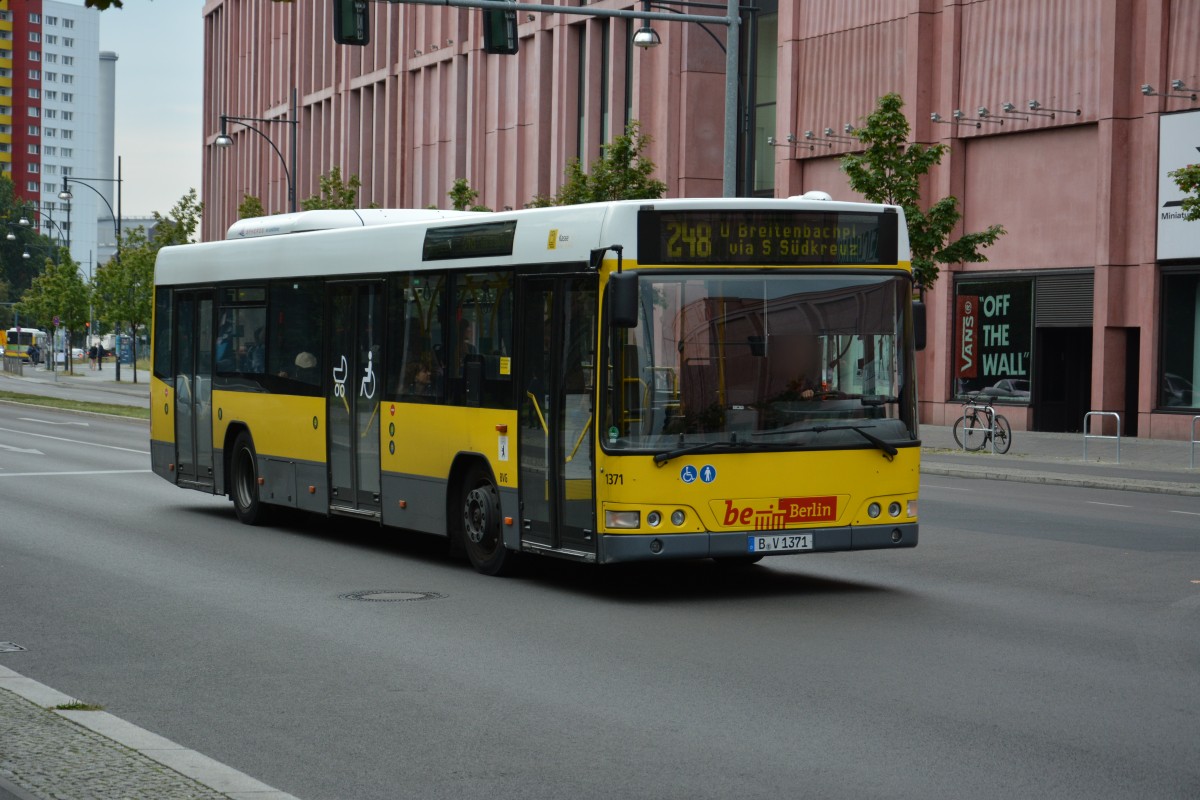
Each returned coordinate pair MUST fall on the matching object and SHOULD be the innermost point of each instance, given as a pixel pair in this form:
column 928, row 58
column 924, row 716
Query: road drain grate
column 11, row 647
column 391, row 596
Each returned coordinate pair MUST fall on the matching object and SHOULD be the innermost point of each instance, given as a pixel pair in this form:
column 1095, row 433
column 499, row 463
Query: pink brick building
column 1091, row 302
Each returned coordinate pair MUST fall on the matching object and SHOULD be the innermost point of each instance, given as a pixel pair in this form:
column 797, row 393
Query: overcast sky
column 159, row 44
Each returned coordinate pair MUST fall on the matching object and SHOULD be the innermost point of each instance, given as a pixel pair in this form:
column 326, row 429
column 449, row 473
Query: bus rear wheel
column 482, row 535
column 243, row 490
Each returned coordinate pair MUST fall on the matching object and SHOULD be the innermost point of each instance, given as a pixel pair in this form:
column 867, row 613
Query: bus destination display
column 768, row 237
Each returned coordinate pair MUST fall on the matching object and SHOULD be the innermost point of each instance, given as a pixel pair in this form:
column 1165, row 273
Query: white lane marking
column 77, row 441
column 1188, row 513
column 947, row 488
column 1112, row 505
column 52, row 422
column 21, row 450
column 78, row 472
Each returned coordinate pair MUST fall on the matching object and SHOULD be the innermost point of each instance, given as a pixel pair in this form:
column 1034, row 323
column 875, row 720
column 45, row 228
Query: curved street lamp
column 66, row 194
column 224, row 140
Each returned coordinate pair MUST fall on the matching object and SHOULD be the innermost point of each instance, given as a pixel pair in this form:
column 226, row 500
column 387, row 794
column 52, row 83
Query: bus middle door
column 354, row 389
column 556, row 429
column 193, row 389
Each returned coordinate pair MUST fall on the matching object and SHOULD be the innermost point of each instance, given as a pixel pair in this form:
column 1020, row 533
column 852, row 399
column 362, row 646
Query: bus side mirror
column 919, row 324
column 623, row 299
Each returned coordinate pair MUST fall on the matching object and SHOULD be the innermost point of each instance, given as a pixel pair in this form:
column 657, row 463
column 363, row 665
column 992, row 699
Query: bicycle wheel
column 1003, row 434
column 972, row 438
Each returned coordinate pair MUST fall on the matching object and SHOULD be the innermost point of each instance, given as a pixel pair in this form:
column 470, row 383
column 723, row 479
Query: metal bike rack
column 990, row 430
column 1087, row 418
column 1195, row 441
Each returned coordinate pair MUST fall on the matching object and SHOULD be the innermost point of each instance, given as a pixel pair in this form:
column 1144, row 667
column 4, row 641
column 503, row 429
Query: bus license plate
column 780, row 544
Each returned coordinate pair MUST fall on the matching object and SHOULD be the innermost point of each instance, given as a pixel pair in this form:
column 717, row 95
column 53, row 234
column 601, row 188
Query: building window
column 993, row 339
column 34, row 36
column 33, row 111
column 35, row 93
column 68, row 41
column 51, row 77
column 34, row 130
column 68, row 97
column 33, row 168
column 51, row 95
column 51, row 20
column 1180, row 344
column 50, row 151
column 67, row 152
column 50, row 113
column 50, row 58
column 68, row 78
column 51, row 39
column 36, row 19
column 31, row 186
column 68, row 116
column 69, row 61
column 68, row 22
column 34, row 55
column 68, row 133
column 33, row 149
column 33, row 74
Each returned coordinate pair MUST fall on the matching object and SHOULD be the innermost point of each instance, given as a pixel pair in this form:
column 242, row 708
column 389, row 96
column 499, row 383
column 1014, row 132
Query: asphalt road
column 1041, row 641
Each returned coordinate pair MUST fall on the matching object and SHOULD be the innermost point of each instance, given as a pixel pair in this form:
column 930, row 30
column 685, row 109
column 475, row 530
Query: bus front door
column 557, row 365
column 353, row 391
column 193, row 389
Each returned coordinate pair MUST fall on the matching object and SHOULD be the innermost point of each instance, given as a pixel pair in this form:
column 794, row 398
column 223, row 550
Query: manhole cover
column 11, row 647
column 391, row 596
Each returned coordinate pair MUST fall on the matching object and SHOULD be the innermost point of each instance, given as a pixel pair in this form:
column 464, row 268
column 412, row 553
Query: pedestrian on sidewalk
column 100, row 357
column 92, row 357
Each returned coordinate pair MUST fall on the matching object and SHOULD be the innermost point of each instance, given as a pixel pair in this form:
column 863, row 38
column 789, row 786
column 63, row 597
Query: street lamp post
column 289, row 170
column 65, row 194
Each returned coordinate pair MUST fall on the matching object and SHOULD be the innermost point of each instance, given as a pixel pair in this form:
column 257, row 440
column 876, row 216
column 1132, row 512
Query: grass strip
column 133, row 412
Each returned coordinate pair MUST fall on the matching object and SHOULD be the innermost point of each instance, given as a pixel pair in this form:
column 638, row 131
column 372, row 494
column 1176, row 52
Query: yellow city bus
column 634, row 380
column 18, row 341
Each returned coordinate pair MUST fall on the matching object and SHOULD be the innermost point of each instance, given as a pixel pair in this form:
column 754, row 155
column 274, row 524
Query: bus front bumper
column 615, row 548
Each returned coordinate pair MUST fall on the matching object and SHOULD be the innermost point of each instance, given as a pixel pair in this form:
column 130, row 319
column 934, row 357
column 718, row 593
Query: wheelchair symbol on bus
column 688, row 474
column 368, row 379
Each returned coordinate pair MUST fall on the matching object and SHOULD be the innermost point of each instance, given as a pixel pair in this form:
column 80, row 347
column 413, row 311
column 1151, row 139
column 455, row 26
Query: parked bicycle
column 983, row 425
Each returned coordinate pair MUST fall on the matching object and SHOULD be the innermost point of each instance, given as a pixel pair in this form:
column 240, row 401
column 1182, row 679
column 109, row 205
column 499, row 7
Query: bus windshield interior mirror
column 919, row 324
column 623, row 297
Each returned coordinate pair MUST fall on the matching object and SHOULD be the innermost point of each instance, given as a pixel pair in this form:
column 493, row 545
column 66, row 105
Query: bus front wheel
column 243, row 490
column 482, row 535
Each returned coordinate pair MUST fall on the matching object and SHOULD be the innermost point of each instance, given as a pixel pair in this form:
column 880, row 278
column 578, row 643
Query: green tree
column 890, row 171
column 462, row 197
column 1188, row 180
column 124, row 287
column 58, row 292
column 335, row 192
column 250, row 207
column 622, row 172
column 16, row 271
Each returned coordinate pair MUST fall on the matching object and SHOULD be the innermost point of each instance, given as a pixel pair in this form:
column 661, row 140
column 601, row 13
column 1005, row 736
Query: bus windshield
column 762, row 362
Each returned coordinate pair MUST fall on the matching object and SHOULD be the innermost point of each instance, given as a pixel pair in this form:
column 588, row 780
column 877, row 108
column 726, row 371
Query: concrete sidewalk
column 1149, row 465
column 48, row 752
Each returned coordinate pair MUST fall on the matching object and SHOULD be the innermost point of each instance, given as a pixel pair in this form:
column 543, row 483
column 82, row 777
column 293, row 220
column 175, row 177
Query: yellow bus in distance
column 634, row 380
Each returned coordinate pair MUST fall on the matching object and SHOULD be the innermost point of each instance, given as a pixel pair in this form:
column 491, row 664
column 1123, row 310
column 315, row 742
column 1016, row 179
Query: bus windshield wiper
column 702, row 447
column 888, row 450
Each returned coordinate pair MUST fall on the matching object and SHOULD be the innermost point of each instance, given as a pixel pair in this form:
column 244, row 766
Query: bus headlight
column 873, row 510
column 625, row 520
column 678, row 517
column 894, row 509
column 653, row 519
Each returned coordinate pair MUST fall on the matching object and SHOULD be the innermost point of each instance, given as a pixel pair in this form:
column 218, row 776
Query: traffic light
column 350, row 22
column 500, row 32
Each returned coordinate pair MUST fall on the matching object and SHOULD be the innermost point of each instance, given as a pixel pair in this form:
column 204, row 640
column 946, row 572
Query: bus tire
column 243, row 487
column 479, row 526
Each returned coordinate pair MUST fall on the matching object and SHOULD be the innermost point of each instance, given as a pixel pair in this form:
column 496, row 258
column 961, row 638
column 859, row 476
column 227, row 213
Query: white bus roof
column 303, row 221
column 365, row 241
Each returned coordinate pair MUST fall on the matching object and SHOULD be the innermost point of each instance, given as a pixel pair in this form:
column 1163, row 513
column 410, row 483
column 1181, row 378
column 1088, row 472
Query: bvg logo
column 781, row 513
